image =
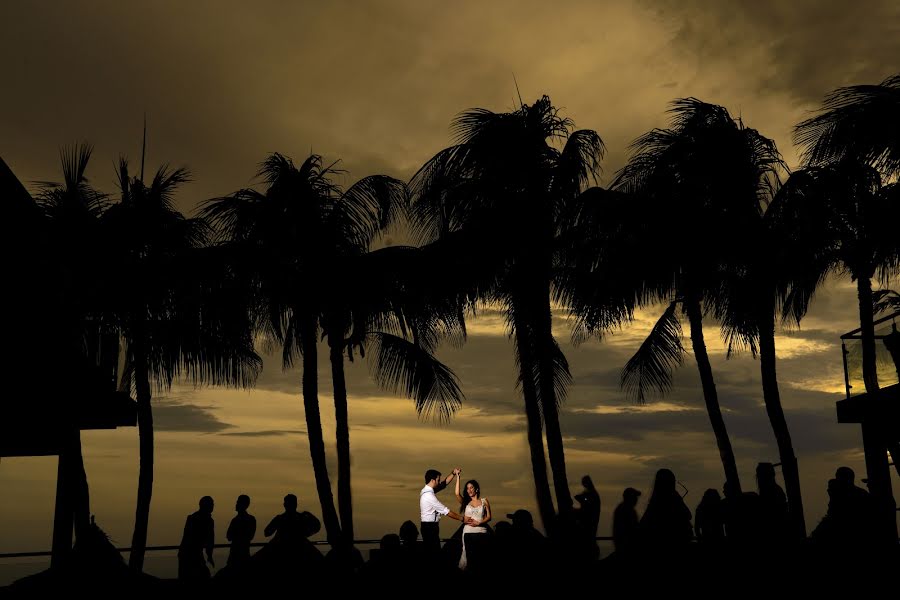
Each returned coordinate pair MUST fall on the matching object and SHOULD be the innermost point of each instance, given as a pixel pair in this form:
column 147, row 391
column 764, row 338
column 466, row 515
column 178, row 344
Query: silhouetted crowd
column 741, row 534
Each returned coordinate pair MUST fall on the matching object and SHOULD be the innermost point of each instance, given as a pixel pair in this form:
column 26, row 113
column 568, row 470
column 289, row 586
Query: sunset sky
column 376, row 84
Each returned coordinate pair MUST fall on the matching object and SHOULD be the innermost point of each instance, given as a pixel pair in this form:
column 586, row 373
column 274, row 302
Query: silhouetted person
column 240, row 533
column 199, row 535
column 410, row 548
column 666, row 524
column 709, row 522
column 431, row 510
column 626, row 523
column 291, row 528
column 854, row 509
column 740, row 513
column 409, row 534
column 773, row 505
column 527, row 546
column 588, row 517
column 289, row 551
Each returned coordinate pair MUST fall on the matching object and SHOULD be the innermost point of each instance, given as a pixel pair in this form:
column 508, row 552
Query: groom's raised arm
column 442, row 484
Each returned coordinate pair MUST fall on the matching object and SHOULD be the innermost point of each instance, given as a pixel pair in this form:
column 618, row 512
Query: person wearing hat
column 527, row 547
column 625, row 522
column 521, row 518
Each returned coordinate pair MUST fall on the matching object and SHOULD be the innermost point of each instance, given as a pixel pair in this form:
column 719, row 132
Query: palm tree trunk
column 145, row 433
column 82, row 498
column 533, row 420
column 342, row 433
column 772, row 398
column 874, row 436
column 314, row 432
column 695, row 317
column 63, row 513
column 546, row 353
column 867, row 333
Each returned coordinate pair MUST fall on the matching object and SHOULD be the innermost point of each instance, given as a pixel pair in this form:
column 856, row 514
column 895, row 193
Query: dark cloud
column 802, row 49
column 173, row 415
column 265, row 433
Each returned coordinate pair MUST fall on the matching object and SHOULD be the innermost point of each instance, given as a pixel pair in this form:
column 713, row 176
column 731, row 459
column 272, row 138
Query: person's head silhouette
column 521, row 519
column 206, row 504
column 243, row 503
column 664, row 482
column 630, row 496
column 290, row 503
column 409, row 533
column 845, row 475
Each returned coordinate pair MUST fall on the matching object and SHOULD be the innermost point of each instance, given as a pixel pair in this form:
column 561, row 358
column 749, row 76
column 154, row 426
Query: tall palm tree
column 856, row 140
column 779, row 273
column 380, row 305
column 72, row 210
column 860, row 238
column 175, row 306
column 702, row 180
column 296, row 243
column 504, row 183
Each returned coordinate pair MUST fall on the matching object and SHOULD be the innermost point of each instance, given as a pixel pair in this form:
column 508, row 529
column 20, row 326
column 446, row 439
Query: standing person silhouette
column 477, row 511
column 666, row 524
column 241, row 532
column 289, row 553
column 588, row 518
column 431, row 509
column 199, row 535
column 626, row 523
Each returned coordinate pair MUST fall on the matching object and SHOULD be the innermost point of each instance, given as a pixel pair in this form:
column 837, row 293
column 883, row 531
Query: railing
column 886, row 353
column 252, row 545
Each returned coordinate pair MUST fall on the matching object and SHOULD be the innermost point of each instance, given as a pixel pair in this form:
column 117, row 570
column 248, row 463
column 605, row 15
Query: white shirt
column 430, row 507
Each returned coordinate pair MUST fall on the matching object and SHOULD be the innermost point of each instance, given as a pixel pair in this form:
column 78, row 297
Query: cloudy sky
column 375, row 84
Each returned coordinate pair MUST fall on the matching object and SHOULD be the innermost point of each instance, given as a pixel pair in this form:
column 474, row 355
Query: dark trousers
column 431, row 537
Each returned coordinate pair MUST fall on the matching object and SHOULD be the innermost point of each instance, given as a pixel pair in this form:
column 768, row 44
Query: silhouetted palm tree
column 856, row 141
column 176, row 307
column 778, row 273
column 505, row 184
column 702, row 180
column 380, row 305
column 296, row 242
column 859, row 122
column 72, row 210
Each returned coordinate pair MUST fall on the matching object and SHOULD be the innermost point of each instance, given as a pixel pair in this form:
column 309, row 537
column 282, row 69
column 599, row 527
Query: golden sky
column 376, row 84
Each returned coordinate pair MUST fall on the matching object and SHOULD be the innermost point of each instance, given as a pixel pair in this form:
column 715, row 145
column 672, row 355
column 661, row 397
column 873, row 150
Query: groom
column 432, row 509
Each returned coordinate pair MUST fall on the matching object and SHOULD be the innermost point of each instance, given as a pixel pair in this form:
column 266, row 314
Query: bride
column 476, row 512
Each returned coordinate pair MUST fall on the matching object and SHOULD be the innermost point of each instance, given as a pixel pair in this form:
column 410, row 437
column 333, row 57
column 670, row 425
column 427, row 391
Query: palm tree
column 778, row 273
column 858, row 121
column 856, row 141
column 175, row 306
column 72, row 211
column 859, row 216
column 504, row 184
column 381, row 305
column 702, row 180
column 297, row 242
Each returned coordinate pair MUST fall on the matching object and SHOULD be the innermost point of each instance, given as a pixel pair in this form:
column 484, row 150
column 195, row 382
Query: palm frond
column 856, row 121
column 399, row 365
column 579, row 163
column 369, row 207
column 886, row 301
column 650, row 369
